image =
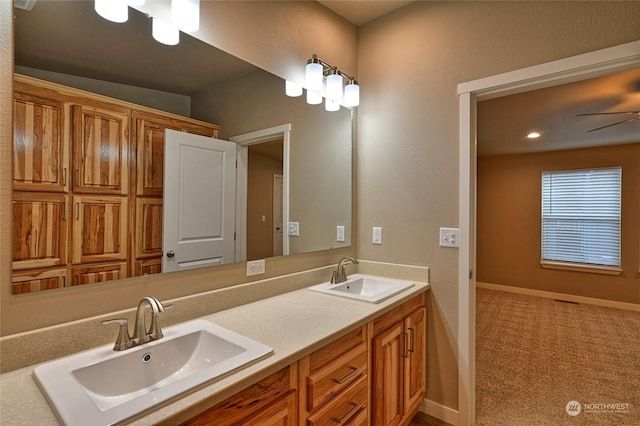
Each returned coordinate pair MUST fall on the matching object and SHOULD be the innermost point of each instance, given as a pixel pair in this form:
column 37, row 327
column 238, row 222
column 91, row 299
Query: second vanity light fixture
column 185, row 16
column 316, row 72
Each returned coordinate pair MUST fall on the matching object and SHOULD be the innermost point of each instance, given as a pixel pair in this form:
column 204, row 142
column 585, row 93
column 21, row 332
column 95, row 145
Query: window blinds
column 581, row 216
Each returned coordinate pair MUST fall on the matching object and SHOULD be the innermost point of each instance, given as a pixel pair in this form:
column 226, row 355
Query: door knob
column 170, row 254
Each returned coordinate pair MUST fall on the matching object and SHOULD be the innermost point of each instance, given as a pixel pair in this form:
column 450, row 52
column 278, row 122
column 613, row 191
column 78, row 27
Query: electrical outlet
column 449, row 237
column 340, row 233
column 293, row 229
column 377, row 235
column 255, row 267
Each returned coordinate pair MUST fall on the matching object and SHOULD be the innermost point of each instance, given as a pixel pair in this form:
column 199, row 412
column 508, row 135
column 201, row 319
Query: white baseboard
column 561, row 296
column 439, row 411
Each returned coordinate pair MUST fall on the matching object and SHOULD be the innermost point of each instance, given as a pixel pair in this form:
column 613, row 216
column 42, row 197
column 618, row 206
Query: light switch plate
column 449, row 237
column 340, row 233
column 377, row 235
column 293, row 229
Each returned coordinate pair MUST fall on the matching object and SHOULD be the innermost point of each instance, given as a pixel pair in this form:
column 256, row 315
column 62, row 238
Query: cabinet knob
column 171, row 254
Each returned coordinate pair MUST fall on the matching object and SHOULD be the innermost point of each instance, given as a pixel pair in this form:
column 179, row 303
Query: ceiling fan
column 635, row 117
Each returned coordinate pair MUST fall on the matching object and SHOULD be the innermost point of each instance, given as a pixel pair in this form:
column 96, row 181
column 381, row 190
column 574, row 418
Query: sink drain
column 147, row 357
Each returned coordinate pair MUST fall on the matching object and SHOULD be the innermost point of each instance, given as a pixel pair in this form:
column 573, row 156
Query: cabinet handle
column 356, row 408
column 64, row 210
column 64, row 177
column 412, row 340
column 78, row 211
column 350, row 374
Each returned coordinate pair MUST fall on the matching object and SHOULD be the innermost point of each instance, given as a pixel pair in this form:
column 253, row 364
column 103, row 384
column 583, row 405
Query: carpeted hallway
column 535, row 355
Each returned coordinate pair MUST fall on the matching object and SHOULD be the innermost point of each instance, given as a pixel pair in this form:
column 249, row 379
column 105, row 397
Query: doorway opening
column 588, row 65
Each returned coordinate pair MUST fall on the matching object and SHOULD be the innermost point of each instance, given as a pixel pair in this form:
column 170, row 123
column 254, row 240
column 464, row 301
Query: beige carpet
column 535, row 355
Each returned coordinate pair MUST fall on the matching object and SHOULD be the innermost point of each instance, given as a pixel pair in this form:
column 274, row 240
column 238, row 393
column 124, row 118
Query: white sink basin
column 102, row 386
column 368, row 288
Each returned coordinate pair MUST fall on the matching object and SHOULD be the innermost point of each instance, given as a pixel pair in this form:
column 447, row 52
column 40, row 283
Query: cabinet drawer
column 334, row 377
column 348, row 409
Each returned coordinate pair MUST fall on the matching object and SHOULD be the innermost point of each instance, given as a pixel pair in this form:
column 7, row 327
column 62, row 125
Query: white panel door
column 199, row 201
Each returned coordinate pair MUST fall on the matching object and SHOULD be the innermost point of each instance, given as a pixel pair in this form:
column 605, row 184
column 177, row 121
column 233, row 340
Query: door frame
column 244, row 141
column 574, row 68
column 277, row 181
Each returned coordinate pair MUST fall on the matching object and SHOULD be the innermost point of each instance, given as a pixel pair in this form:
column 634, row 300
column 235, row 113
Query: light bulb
column 292, row 89
column 164, row 33
column 185, row 14
column 334, row 85
column 313, row 74
column 112, row 10
column 352, row 94
column 313, row 98
column 331, row 105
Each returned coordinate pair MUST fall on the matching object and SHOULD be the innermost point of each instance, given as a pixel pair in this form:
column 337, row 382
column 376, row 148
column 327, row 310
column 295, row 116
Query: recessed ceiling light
column 533, row 135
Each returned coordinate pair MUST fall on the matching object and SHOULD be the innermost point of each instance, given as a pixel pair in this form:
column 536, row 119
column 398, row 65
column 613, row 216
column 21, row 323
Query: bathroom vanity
column 334, row 360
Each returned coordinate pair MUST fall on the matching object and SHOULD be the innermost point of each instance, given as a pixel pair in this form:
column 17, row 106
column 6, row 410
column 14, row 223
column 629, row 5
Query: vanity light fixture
column 293, row 89
column 135, row 2
column 112, row 10
column 185, row 14
column 316, row 72
column 534, row 135
column 164, row 33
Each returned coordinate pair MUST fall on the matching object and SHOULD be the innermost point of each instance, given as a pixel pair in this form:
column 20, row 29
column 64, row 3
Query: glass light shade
column 313, row 98
column 334, row 86
column 185, row 14
column 331, row 105
column 313, row 76
column 113, row 10
column 164, row 33
column 352, row 94
column 135, row 2
column 292, row 89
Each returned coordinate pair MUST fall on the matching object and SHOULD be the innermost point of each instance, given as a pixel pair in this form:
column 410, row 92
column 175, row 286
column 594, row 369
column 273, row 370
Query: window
column 581, row 216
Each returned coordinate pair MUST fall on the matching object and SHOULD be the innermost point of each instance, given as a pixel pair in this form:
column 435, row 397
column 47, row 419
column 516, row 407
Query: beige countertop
column 294, row 324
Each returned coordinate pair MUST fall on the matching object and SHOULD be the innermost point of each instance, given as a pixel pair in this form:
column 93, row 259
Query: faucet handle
column 123, row 341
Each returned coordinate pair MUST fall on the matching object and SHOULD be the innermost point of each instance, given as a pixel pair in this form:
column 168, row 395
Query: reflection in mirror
column 193, row 79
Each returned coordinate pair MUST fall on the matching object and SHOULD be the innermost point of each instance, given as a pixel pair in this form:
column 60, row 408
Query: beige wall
column 409, row 65
column 509, row 225
column 274, row 36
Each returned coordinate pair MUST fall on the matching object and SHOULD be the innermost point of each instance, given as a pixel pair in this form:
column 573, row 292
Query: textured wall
column 410, row 63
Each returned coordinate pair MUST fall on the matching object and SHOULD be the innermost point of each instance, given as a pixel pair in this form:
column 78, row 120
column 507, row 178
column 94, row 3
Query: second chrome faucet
column 142, row 334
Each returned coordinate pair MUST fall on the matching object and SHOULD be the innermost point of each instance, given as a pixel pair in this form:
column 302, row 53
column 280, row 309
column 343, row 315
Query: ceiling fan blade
column 615, row 124
column 608, row 113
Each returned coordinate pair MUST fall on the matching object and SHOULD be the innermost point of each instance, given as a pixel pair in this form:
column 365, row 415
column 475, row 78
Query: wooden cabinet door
column 40, row 154
column 90, row 274
column 38, row 280
column 388, row 371
column 415, row 363
column 148, row 241
column 99, row 228
column 100, row 150
column 39, row 230
column 279, row 413
column 150, row 148
column 147, row 266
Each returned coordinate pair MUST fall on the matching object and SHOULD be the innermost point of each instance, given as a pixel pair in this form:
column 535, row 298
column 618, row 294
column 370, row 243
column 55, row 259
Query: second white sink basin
column 368, row 288
column 101, row 386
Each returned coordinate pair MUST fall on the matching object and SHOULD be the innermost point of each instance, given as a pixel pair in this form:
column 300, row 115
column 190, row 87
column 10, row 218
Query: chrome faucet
column 339, row 274
column 142, row 334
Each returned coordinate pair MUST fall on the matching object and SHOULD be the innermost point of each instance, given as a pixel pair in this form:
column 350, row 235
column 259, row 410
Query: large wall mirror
column 66, row 42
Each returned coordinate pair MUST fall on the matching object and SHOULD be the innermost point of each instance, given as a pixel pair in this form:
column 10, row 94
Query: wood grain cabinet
column 334, row 382
column 40, row 151
column 87, row 181
column 270, row 402
column 399, row 361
